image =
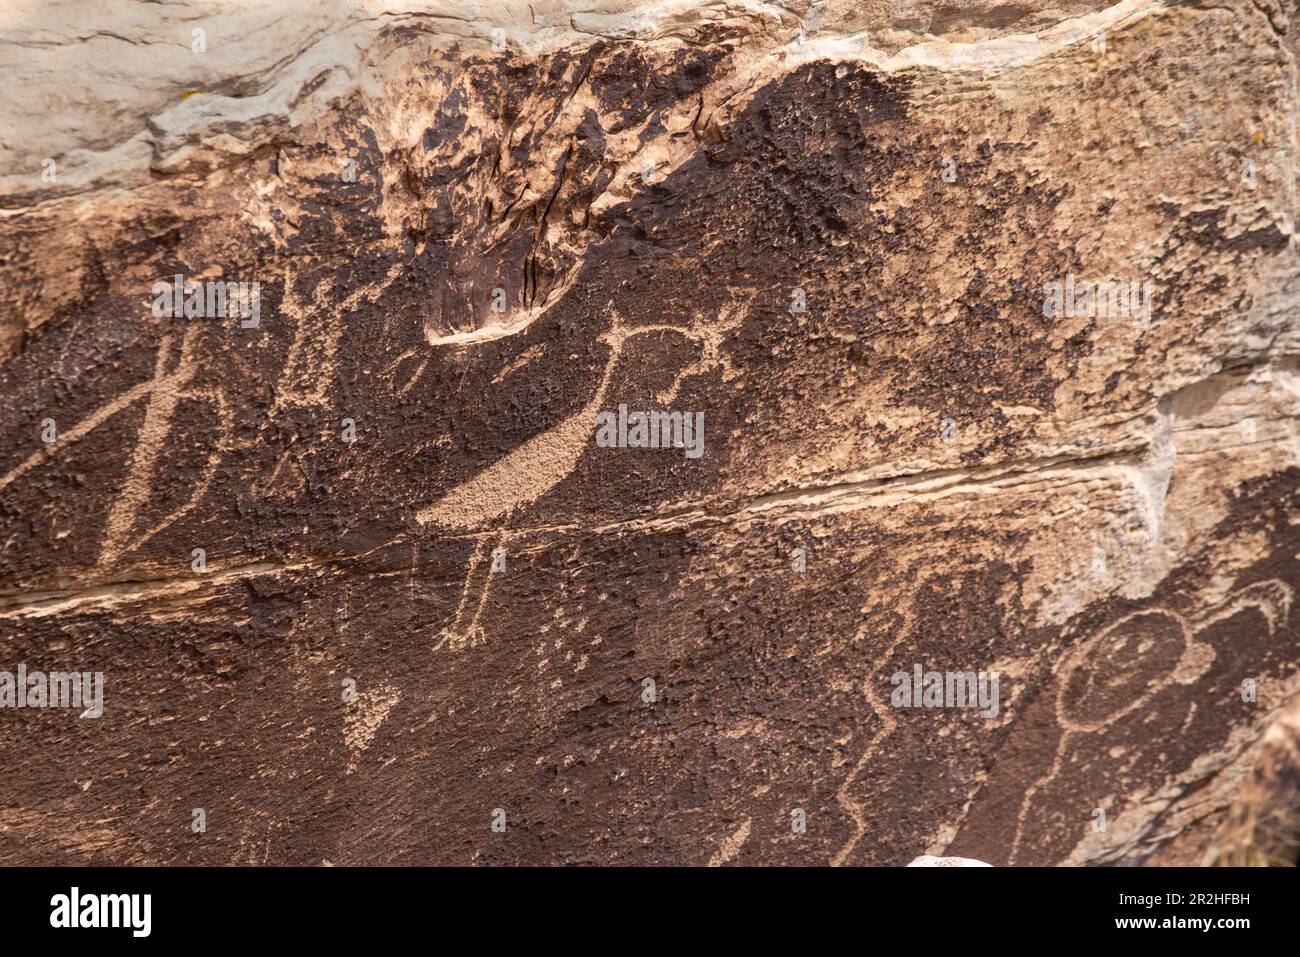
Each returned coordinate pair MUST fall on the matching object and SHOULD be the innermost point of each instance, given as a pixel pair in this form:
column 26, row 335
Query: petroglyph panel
column 712, row 434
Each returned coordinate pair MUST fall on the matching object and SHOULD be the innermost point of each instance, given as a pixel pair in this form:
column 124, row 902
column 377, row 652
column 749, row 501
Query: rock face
column 977, row 324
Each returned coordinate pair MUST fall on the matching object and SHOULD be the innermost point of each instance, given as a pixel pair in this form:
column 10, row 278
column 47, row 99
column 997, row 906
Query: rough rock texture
column 1101, row 509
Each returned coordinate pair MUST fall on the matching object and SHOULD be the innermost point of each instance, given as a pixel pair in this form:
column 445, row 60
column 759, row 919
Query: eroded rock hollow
column 628, row 432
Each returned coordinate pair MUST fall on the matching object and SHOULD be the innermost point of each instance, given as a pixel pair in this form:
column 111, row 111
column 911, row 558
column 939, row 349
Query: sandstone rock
column 929, row 860
column 362, row 583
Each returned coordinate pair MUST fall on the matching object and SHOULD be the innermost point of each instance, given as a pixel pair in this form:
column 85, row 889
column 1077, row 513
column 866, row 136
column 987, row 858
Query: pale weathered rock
column 438, row 616
column 929, row 860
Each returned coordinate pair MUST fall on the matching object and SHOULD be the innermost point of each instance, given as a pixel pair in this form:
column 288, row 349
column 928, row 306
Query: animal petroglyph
column 524, row 475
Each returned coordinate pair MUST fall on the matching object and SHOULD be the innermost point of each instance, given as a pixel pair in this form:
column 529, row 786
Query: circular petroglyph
column 1119, row 669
